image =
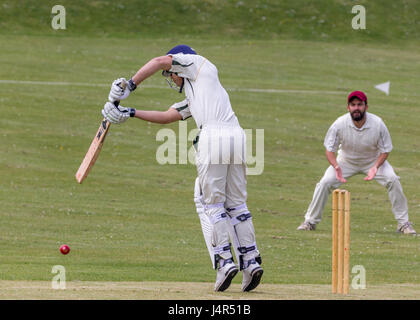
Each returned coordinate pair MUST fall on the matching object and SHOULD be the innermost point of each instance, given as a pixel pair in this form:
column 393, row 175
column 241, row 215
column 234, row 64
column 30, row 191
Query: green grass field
column 135, row 220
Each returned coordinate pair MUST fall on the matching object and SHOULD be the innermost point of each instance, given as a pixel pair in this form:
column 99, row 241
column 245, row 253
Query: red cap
column 359, row 95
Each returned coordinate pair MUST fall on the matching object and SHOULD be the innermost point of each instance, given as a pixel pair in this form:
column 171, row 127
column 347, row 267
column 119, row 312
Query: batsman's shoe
column 251, row 275
column 307, row 226
column 406, row 228
column 227, row 270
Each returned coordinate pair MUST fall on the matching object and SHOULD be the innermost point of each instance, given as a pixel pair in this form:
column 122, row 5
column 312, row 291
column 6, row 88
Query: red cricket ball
column 64, row 249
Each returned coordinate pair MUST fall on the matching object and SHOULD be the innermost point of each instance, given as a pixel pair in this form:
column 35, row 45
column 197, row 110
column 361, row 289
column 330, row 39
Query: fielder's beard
column 358, row 117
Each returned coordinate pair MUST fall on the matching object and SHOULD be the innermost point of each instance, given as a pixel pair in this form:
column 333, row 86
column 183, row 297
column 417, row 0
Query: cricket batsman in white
column 363, row 143
column 220, row 189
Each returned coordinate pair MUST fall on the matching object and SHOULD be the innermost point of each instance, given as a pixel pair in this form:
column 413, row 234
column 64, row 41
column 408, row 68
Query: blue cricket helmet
column 182, row 48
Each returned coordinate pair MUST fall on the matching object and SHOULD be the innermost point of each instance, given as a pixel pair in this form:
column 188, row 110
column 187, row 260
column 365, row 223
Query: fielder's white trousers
column 385, row 176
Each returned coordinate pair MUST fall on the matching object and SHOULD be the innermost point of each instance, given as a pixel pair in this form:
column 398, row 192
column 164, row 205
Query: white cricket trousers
column 221, row 168
column 221, row 164
column 385, row 176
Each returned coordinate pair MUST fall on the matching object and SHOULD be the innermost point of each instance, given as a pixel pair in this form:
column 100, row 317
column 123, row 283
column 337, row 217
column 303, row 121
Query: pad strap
column 240, row 207
column 217, row 217
column 222, row 248
column 247, row 263
column 245, row 250
column 218, row 251
column 214, row 218
column 241, row 218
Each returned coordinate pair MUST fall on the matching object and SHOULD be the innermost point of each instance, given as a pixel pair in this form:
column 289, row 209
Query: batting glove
column 121, row 89
column 117, row 114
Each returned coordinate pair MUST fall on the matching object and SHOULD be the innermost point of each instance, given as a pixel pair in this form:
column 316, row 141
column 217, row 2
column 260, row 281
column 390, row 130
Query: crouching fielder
column 363, row 143
column 220, row 189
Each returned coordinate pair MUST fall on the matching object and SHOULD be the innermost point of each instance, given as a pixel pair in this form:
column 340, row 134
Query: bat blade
column 93, row 152
column 95, row 146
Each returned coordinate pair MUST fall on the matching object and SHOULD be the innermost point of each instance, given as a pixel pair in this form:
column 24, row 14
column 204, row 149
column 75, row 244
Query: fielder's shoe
column 227, row 270
column 406, row 228
column 307, row 226
column 252, row 274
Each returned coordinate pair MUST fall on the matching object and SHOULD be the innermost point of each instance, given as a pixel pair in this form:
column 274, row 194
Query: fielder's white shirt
column 206, row 100
column 358, row 145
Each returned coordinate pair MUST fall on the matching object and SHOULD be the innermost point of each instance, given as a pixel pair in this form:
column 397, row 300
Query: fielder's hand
column 371, row 174
column 116, row 114
column 339, row 174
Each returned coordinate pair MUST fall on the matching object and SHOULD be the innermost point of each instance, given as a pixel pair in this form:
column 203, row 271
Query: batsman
column 220, row 189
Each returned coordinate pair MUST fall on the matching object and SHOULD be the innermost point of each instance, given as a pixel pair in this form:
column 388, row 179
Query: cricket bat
column 93, row 152
column 95, row 148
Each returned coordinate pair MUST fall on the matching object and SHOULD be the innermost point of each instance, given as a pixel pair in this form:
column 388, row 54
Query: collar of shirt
column 366, row 125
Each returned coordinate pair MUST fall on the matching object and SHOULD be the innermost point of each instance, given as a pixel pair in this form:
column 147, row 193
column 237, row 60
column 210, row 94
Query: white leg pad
column 242, row 233
column 240, row 228
column 206, row 225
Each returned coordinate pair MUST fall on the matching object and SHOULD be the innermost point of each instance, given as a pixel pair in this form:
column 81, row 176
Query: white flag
column 384, row 87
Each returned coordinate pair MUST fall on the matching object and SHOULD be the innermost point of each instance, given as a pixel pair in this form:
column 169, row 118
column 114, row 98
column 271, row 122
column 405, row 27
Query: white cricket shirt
column 206, row 100
column 358, row 145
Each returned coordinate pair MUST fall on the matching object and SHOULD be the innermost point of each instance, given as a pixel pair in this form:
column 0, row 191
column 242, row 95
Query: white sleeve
column 183, row 109
column 332, row 139
column 385, row 142
column 186, row 65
